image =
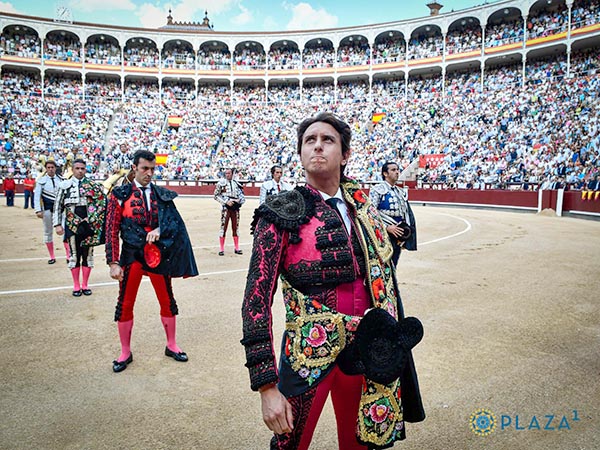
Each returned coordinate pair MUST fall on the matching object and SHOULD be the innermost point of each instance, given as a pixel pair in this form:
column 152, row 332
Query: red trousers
column 345, row 390
column 128, row 289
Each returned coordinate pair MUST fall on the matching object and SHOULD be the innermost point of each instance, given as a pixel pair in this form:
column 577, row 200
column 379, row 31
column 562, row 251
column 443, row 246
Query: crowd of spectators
column 585, row 13
column 318, row 57
column 179, row 57
column 21, row 43
column 249, row 59
column 546, row 23
column 103, row 52
column 389, row 51
column 141, row 56
column 62, row 47
column 425, row 46
column 504, row 33
column 25, row 42
column 284, row 59
column 492, row 128
column 464, row 40
column 214, row 60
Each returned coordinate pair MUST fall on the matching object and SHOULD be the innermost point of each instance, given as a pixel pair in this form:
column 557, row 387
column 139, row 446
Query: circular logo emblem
column 482, row 422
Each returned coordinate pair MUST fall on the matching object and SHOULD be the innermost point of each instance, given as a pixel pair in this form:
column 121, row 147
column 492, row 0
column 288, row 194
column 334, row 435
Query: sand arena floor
column 509, row 301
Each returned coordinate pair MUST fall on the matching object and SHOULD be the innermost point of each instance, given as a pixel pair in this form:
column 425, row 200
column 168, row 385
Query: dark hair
column 143, row 154
column 385, row 167
column 79, row 161
column 340, row 126
column 274, row 168
column 50, row 161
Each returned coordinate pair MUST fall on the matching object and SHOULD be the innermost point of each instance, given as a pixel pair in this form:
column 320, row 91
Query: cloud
column 8, row 7
column 270, row 24
column 305, row 17
column 242, row 18
column 151, row 16
column 154, row 15
column 193, row 10
column 88, row 6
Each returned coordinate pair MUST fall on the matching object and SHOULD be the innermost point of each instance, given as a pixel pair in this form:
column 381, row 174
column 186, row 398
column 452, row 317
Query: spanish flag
column 161, row 159
column 377, row 117
column 174, row 121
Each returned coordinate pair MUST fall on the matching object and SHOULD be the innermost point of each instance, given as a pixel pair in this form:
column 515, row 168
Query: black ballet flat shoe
column 77, row 293
column 238, row 252
column 51, row 261
column 87, row 291
column 181, row 356
column 120, row 366
column 221, row 253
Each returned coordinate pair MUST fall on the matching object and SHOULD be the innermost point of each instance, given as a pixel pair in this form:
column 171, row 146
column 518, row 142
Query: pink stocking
column 86, row 276
column 222, row 243
column 236, row 242
column 170, row 327
column 75, row 274
column 125, row 337
column 50, row 247
column 67, row 249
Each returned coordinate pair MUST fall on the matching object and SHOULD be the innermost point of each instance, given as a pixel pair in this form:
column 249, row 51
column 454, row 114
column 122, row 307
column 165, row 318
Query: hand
column 230, row 203
column 153, row 236
column 59, row 230
column 116, row 272
column 395, row 230
column 276, row 410
column 39, row 214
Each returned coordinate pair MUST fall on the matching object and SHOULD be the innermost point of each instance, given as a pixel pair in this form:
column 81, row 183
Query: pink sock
column 67, row 250
column 236, row 242
column 86, row 276
column 222, row 243
column 125, row 338
column 50, row 247
column 170, row 327
column 75, row 274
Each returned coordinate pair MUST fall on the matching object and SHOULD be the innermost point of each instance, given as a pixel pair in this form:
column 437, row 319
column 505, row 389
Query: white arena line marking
column 58, row 258
column 468, row 228
column 59, row 288
column 107, row 283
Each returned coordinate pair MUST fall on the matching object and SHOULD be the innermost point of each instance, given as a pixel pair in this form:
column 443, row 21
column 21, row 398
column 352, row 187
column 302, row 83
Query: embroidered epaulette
column 381, row 188
column 124, row 192
column 287, row 211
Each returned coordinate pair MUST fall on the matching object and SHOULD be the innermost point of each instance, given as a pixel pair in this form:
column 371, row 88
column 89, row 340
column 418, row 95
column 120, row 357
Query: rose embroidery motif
column 317, row 335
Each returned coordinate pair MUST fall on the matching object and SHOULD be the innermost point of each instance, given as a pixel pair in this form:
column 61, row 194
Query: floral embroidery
column 380, row 419
column 378, row 412
column 359, row 196
column 317, row 335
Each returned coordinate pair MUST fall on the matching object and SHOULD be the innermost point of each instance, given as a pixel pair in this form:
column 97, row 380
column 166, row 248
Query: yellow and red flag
column 377, row 117
column 174, row 121
column 161, row 159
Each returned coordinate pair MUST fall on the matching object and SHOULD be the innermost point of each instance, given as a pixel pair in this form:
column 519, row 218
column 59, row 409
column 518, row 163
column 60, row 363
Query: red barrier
column 518, row 199
column 572, row 201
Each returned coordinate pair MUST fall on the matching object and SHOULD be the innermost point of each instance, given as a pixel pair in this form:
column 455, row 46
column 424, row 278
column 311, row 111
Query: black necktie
column 333, row 202
column 53, row 185
column 143, row 189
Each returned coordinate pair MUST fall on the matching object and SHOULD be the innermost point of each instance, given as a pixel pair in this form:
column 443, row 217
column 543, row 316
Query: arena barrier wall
column 561, row 201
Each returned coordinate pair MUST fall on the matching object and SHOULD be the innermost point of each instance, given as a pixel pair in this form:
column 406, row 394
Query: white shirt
column 145, row 191
column 342, row 208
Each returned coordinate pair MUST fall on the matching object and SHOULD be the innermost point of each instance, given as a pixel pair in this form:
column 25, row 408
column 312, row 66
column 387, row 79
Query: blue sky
column 237, row 15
